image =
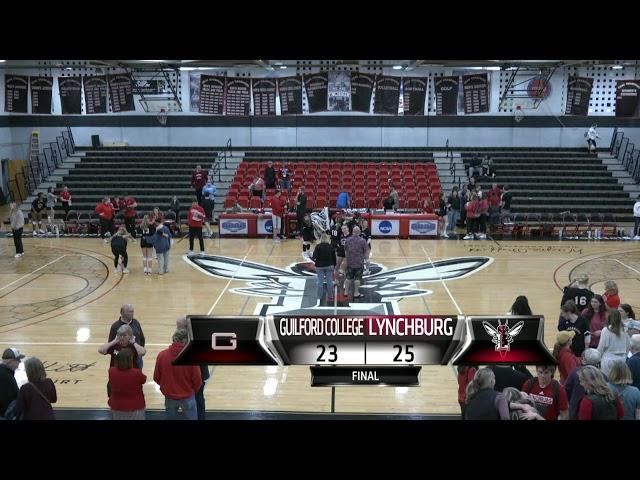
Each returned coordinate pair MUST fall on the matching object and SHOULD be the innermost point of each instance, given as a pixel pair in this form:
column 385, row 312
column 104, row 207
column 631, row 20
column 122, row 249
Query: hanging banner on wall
column 155, row 86
column 339, row 91
column 475, row 89
column 446, row 89
column 121, row 93
column 627, row 98
column 212, row 95
column 264, row 96
column 70, row 89
column 414, row 91
column 316, row 86
column 95, row 94
column 15, row 93
column 578, row 95
column 290, row 90
column 238, row 100
column 41, row 90
column 361, row 90
column 387, row 95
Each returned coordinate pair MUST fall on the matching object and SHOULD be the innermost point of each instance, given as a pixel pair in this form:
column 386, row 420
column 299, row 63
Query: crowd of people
column 597, row 348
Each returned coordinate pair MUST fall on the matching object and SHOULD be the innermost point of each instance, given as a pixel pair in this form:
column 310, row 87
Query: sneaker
column 190, row 252
column 468, row 237
column 117, row 270
column 637, row 237
column 126, row 270
column 201, row 254
column 18, row 255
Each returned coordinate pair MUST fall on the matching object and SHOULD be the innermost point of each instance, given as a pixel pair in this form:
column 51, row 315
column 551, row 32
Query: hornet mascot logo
column 503, row 335
column 293, row 290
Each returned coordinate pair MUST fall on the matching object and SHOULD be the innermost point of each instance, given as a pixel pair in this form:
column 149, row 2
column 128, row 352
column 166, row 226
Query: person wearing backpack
column 600, row 402
column 547, row 393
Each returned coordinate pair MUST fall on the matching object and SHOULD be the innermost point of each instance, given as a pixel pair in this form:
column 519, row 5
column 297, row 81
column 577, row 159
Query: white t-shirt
column 592, row 134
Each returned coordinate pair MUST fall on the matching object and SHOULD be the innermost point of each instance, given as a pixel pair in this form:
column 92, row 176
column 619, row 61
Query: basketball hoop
column 162, row 117
column 518, row 114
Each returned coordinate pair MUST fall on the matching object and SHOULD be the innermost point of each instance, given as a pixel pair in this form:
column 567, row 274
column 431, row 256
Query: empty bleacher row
column 560, row 181
column 368, row 183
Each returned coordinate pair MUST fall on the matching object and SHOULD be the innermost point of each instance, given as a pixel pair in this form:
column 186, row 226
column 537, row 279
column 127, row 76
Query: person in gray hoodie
column 161, row 241
column 17, row 224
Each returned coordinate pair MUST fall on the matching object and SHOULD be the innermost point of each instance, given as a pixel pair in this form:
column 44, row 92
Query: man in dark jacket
column 270, row 176
column 509, row 376
column 324, row 256
column 8, row 386
column 126, row 318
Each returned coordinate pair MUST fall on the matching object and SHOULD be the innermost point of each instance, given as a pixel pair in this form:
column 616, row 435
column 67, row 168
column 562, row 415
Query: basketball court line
column 406, row 259
column 229, row 282
column 443, row 282
column 625, row 265
column 25, row 276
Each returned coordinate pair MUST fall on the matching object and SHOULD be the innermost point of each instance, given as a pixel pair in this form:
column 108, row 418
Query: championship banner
column 578, row 96
column 235, row 226
column 212, row 95
column 385, row 227
column 627, row 98
column 95, row 94
column 264, row 96
column 265, row 225
column 316, row 86
column 290, row 91
column 414, row 91
column 41, row 90
column 446, row 89
column 387, row 96
column 15, row 93
column 339, row 91
column 121, row 93
column 238, row 97
column 423, row 228
column 475, row 88
column 361, row 91
column 70, row 89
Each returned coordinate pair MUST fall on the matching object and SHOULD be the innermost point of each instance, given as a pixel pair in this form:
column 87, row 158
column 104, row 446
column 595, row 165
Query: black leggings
column 106, row 226
column 17, row 240
column 130, row 224
column 116, row 254
column 193, row 233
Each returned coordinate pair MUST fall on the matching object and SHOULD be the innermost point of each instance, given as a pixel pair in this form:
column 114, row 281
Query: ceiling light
column 152, row 61
column 283, row 67
column 617, row 67
column 492, row 68
column 187, row 69
column 512, row 68
column 2, row 61
column 397, row 67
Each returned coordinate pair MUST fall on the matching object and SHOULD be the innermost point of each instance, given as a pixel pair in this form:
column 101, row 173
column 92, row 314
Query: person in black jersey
column 366, row 234
column 340, row 238
column 119, row 248
column 146, row 228
column 308, row 236
column 571, row 320
column 579, row 292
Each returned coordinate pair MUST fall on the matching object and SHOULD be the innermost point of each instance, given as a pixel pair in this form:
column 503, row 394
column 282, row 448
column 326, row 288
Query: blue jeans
column 452, row 220
column 185, row 409
column 324, row 274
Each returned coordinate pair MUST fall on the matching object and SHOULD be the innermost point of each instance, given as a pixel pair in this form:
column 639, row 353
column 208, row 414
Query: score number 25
column 329, row 353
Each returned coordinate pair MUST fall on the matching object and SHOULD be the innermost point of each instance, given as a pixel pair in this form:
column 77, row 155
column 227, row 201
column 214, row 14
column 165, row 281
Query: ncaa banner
column 234, row 226
column 423, row 228
column 385, row 228
column 265, row 225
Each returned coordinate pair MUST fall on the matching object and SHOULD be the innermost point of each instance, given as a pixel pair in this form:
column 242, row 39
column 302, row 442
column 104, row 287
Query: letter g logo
column 224, row 341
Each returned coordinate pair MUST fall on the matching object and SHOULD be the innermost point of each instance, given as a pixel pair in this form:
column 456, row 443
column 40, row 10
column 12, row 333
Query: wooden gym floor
column 58, row 301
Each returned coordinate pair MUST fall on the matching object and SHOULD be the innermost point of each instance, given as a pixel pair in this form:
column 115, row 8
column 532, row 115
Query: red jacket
column 567, row 362
column 128, row 204
column 484, row 206
column 199, row 179
column 494, row 197
column 196, row 216
column 176, row 382
column 277, row 205
column 105, row 211
column 473, row 208
column 126, row 389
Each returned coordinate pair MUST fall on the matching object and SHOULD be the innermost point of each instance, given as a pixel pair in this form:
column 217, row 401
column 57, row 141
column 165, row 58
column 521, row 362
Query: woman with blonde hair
column 119, row 249
column 147, row 227
column 35, row 398
column 127, row 399
column 614, row 341
column 599, row 402
column 520, row 405
column 610, row 296
column 483, row 402
column 620, row 380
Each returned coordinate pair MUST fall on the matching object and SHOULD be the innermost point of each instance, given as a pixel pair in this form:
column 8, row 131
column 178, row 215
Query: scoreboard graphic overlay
column 365, row 350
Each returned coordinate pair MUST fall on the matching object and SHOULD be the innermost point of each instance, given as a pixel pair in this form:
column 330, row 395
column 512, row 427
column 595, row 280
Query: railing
column 626, row 153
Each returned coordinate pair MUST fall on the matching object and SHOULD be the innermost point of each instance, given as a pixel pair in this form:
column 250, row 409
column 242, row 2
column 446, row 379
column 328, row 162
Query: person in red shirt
column 549, row 396
column 567, row 361
column 472, row 208
column 106, row 213
column 178, row 383
column 493, row 196
column 198, row 181
column 196, row 220
column 277, row 213
column 482, row 220
column 129, row 205
column 600, row 402
column 65, row 199
column 127, row 399
column 611, row 297
column 465, row 375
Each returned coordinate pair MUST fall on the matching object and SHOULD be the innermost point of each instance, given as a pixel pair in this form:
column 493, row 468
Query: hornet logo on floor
column 293, row 290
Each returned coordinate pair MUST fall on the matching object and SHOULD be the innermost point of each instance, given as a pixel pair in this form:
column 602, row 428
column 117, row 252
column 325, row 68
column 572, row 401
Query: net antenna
column 162, row 117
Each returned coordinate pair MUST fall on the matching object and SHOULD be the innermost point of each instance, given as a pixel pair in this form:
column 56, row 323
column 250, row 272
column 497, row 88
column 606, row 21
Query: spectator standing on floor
column 567, row 361
column 126, row 381
column 16, row 218
column 599, row 402
column 595, row 313
column 614, row 342
column 36, row 396
column 161, row 241
column 301, row 207
column 181, row 324
column 129, row 204
column 11, row 359
column 620, row 381
column 278, row 204
column 126, row 318
column 209, row 204
column 636, row 218
column 454, row 206
column 610, row 296
column 270, row 176
column 106, row 213
column 38, row 209
column 65, row 200
column 195, row 219
column 494, row 197
column 324, row 257
column 52, row 199
column 591, row 136
column 572, row 321
column 198, row 181
column 355, row 249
